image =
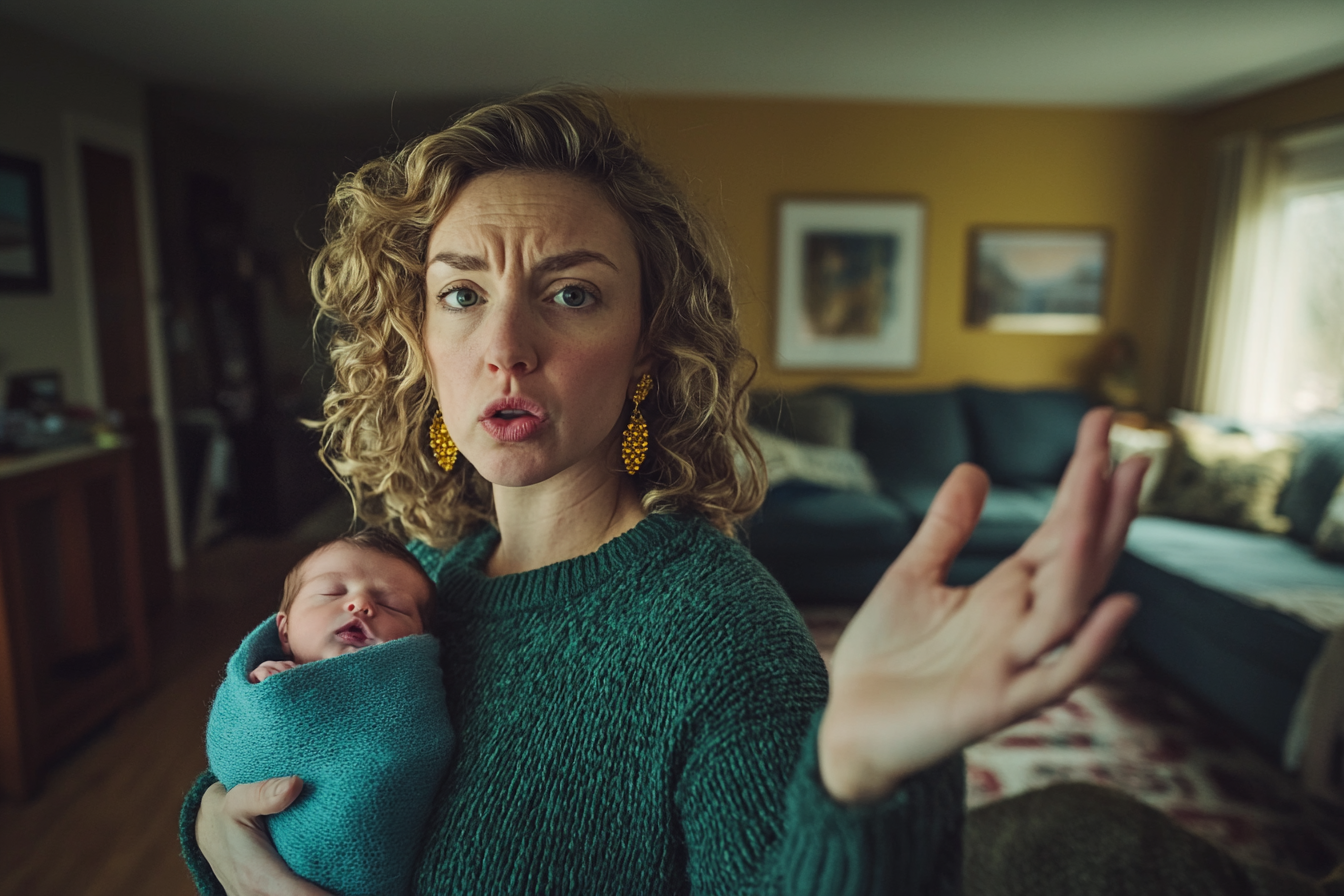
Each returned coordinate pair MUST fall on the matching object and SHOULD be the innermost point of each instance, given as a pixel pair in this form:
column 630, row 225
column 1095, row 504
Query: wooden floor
column 105, row 821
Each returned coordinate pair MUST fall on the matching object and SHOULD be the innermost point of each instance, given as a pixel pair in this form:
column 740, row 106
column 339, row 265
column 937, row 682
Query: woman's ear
column 282, row 626
column 643, row 364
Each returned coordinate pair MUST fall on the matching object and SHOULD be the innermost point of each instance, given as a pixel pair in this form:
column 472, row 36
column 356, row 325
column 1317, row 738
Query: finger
column 1064, row 548
column 1091, row 457
column 946, row 527
column 1059, row 599
column 1123, row 507
column 1080, row 500
column 247, row 801
column 1053, row 679
column 206, row 814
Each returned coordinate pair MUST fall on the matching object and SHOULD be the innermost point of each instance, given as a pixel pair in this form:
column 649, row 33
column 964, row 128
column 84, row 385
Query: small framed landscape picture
column 23, row 229
column 1037, row 279
column 850, row 277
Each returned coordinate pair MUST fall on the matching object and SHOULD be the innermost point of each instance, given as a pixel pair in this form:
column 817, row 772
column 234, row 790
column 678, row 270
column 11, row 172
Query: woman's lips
column 513, row 419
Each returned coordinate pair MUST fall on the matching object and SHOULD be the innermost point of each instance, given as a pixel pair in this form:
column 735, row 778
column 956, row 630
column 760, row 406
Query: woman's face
column 532, row 326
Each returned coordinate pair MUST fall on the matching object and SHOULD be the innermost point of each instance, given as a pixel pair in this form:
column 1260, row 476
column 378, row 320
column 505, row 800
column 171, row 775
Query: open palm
column 925, row 669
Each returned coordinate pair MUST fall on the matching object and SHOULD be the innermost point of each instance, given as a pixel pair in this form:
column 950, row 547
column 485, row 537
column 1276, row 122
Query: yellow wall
column 972, row 165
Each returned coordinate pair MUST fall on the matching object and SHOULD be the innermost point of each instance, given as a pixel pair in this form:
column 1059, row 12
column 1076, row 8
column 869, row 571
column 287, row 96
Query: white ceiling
column 1081, row 52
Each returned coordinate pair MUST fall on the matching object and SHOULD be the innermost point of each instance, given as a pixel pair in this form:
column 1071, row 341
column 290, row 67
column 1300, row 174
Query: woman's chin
column 521, row 469
column 516, row 471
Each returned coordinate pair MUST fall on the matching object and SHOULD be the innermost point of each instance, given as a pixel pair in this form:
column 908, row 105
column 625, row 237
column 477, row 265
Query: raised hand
column 925, row 669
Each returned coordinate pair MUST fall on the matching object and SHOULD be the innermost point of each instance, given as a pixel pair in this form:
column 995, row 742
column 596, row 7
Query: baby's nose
column 359, row 604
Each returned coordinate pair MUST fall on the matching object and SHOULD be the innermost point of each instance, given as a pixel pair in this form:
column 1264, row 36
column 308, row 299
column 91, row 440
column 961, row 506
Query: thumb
column 263, row 797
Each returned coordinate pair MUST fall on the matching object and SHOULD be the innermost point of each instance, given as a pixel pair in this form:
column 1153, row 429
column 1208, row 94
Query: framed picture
column 851, row 273
column 1037, row 279
column 23, row 227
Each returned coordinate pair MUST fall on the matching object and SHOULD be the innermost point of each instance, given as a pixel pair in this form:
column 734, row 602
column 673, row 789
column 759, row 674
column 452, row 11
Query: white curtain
column 1274, row 200
column 1218, row 373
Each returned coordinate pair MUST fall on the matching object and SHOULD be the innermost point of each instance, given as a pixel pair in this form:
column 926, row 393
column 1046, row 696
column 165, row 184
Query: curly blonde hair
column 369, row 280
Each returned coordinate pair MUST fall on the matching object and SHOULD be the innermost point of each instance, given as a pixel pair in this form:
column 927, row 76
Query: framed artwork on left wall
column 23, row 227
column 850, row 278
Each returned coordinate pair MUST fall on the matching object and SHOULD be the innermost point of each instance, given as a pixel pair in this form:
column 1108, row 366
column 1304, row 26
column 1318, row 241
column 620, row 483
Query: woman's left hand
column 925, row 669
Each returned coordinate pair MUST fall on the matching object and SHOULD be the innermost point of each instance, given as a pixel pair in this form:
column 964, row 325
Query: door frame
column 129, row 141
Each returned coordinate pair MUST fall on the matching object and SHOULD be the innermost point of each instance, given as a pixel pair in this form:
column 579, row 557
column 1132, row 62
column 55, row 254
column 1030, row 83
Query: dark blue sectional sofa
column 828, row 546
column 1248, row 662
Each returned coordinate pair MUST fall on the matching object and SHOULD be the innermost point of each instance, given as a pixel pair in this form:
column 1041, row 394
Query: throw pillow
column 837, row 468
column 1319, row 465
column 1329, row 541
column 1154, row 444
column 1229, row 478
column 820, row 418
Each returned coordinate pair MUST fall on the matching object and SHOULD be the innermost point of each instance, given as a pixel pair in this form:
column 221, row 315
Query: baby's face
column 350, row 597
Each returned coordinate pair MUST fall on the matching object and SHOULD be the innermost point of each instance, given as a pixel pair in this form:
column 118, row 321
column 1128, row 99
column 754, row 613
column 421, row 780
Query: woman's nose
column 511, row 344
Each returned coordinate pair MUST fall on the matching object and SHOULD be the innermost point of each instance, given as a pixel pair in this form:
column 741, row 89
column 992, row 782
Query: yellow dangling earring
column 635, row 443
column 442, row 444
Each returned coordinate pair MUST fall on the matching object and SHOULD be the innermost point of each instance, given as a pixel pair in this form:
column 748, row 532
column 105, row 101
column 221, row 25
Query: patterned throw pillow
column 1233, row 479
column 836, row 468
column 1329, row 541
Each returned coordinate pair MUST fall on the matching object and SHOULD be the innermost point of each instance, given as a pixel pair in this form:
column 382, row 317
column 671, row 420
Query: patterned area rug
column 1128, row 730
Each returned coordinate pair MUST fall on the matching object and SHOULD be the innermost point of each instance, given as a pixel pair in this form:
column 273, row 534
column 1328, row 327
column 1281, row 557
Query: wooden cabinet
column 74, row 645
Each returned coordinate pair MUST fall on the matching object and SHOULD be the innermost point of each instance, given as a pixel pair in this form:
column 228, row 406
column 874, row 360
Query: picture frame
column 1038, row 279
column 850, row 283
column 24, row 264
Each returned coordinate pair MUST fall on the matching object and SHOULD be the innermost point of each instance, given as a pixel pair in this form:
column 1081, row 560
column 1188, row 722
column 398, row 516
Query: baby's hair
column 372, row 539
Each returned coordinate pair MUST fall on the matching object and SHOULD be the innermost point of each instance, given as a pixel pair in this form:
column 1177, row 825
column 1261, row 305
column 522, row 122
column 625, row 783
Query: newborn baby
column 343, row 669
column 350, row 593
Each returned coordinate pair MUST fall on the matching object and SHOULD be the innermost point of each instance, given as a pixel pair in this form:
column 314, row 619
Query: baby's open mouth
column 355, row 632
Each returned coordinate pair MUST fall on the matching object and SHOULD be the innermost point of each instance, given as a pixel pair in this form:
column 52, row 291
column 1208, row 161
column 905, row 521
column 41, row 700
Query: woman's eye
column 459, row 297
column 574, row 297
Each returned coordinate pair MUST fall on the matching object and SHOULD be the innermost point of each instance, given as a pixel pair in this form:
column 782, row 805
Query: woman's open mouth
column 512, row 419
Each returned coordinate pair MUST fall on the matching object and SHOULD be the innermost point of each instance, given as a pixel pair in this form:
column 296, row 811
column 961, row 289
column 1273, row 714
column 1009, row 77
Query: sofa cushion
column 1255, row 567
column 1023, row 437
column 1319, row 465
column 818, row 418
column 799, row 520
column 1232, row 479
column 1247, row 661
column 787, row 460
column 910, row 437
column 1010, row 514
column 1329, row 540
column 1009, row 518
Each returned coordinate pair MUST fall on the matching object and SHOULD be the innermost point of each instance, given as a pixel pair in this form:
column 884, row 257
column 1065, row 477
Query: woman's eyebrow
column 548, row 265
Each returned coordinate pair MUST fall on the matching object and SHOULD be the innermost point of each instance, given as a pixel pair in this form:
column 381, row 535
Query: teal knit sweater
column 643, row 720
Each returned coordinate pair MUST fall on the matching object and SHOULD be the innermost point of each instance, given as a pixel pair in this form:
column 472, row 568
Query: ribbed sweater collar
column 651, row 542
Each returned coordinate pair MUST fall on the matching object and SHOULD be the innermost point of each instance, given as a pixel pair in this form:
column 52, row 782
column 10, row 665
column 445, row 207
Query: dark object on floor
column 1079, row 838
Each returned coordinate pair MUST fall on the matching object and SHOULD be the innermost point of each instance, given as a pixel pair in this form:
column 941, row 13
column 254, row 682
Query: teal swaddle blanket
column 368, row 732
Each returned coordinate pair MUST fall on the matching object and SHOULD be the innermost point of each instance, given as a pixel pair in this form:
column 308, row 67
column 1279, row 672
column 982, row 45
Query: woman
column 639, row 708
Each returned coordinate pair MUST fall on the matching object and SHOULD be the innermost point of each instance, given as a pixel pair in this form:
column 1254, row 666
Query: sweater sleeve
column 909, row 843
column 204, row 878
column 748, row 831
column 754, row 813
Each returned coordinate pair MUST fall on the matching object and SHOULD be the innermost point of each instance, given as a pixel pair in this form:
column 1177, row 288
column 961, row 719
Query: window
column 1272, row 343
